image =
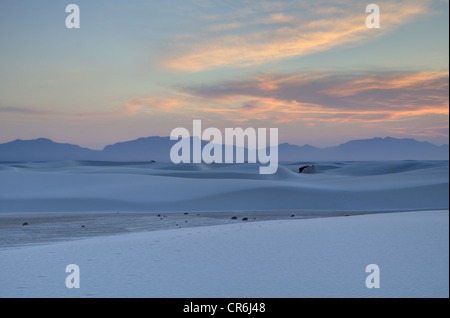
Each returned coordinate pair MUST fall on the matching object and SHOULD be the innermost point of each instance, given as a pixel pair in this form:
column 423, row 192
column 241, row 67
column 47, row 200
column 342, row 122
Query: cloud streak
column 128, row 110
column 302, row 31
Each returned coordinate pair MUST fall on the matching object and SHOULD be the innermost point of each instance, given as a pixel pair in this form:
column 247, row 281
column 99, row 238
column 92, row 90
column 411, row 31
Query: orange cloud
column 390, row 97
column 288, row 36
column 133, row 108
column 428, row 79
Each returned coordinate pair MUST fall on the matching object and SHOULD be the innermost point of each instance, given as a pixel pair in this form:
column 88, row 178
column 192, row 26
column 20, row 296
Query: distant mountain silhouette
column 158, row 149
column 367, row 149
column 43, row 149
column 142, row 149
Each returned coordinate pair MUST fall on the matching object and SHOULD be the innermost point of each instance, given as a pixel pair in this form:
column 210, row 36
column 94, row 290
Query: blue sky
column 141, row 68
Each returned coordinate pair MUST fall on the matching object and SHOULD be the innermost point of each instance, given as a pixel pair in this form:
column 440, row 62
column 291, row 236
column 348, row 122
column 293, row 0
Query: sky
column 141, row 68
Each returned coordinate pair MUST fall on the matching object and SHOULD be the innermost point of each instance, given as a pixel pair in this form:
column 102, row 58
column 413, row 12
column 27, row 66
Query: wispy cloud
column 421, row 80
column 313, row 98
column 441, row 131
column 128, row 110
column 296, row 30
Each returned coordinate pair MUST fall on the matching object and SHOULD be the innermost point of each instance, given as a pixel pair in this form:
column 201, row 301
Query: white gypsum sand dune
column 322, row 257
column 110, row 187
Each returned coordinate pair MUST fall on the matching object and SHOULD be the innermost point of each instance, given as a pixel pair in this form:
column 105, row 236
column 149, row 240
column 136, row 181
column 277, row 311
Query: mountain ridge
column 158, row 148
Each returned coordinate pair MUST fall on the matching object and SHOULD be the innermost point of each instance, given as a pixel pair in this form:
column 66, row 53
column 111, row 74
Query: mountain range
column 158, row 149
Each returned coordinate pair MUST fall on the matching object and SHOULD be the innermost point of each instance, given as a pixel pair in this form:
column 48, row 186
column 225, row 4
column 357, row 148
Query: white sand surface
column 164, row 230
column 320, row 257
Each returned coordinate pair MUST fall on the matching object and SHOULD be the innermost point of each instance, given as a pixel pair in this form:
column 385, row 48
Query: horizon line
column 168, row 137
